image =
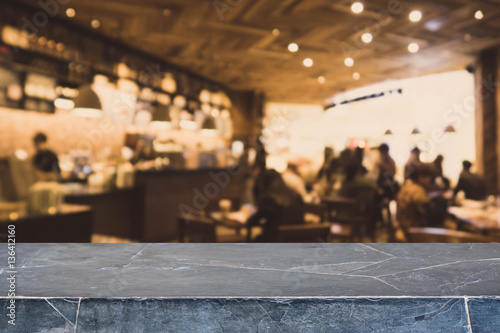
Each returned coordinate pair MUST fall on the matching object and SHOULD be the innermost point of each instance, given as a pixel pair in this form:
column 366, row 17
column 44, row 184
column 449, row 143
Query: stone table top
column 254, row 270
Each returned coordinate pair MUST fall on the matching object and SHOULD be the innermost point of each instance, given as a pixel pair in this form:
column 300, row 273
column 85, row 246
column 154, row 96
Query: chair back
column 314, row 212
column 438, row 235
column 197, row 229
column 304, row 233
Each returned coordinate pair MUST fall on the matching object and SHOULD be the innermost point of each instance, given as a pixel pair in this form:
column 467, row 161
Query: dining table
column 477, row 215
column 236, row 220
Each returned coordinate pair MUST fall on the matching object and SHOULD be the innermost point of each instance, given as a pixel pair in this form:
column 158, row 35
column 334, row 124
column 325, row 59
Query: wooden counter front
column 169, row 192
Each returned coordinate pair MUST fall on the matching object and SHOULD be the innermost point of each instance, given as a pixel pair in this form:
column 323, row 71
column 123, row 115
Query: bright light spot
column 479, row 15
column 95, row 24
column 356, row 76
column 349, row 62
column 63, row 103
column 276, row 32
column 413, row 47
column 292, row 47
column 367, row 38
column 188, row 124
column 308, row 62
column 70, row 12
column 277, row 163
column 21, row 154
column 13, row 216
column 321, row 79
column 214, row 112
column 357, row 7
column 415, row 16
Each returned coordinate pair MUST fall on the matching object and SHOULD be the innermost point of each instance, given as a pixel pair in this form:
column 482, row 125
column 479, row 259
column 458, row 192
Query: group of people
column 421, row 199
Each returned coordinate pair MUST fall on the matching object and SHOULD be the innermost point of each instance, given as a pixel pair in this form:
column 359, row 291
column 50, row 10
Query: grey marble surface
column 254, row 270
column 254, row 288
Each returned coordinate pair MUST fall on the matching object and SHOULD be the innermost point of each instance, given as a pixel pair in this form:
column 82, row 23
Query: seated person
column 45, row 160
column 472, row 184
column 277, row 205
column 354, row 181
column 294, row 181
column 412, row 199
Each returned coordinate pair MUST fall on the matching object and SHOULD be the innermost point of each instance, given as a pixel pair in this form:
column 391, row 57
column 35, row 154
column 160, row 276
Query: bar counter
column 254, row 288
column 73, row 223
column 148, row 212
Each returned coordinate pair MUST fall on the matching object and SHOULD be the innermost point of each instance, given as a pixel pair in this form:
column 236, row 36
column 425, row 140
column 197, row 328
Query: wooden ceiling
column 231, row 41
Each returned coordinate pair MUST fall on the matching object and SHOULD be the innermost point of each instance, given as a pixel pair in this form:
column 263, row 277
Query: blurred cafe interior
column 250, row 121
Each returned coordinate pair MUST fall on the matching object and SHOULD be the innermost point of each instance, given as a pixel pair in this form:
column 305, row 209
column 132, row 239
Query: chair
column 438, row 235
column 196, row 228
column 314, row 213
column 200, row 229
column 304, row 233
column 352, row 217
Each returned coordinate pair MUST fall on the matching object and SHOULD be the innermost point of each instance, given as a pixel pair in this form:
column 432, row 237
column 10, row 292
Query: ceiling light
column 95, row 24
column 357, row 7
column 449, row 129
column 356, row 76
column 70, row 12
column 479, row 15
column 367, row 37
column 308, row 62
column 292, row 47
column 415, row 16
column 321, row 79
column 413, row 48
column 276, row 32
column 87, row 104
column 349, row 62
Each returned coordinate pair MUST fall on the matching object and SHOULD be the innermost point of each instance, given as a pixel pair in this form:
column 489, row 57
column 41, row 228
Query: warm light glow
column 413, row 47
column 63, row 103
column 321, row 79
column 161, row 125
column 95, row 24
column 357, row 7
column 214, row 113
column 209, row 132
column 308, row 62
column 367, row 38
column 293, row 47
column 277, row 163
column 180, row 101
column 415, row 16
column 356, row 76
column 479, row 15
column 276, row 32
column 188, row 124
column 21, row 154
column 70, row 12
column 349, row 62
column 87, row 113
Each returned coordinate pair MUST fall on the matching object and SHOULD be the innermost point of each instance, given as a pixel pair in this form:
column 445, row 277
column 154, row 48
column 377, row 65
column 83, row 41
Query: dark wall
column 488, row 117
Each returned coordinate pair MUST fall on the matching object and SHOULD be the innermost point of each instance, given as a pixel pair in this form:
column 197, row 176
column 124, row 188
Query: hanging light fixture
column 209, row 127
column 169, row 84
column 415, row 131
column 161, row 117
column 388, row 132
column 87, row 103
column 449, row 129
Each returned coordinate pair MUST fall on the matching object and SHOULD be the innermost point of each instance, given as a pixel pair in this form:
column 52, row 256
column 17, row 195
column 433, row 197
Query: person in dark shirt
column 45, row 160
column 277, row 205
column 472, row 184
